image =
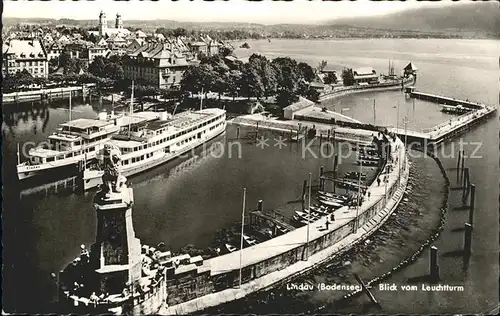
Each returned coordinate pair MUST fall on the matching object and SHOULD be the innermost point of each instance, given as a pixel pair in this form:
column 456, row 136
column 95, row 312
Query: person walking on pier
column 378, row 181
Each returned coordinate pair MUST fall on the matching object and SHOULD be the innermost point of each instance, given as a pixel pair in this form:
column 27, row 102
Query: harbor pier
column 279, row 259
column 413, row 93
column 46, row 94
column 447, row 130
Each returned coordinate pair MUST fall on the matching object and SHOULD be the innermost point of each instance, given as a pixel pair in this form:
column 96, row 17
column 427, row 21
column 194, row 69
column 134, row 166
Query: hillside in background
column 456, row 20
column 482, row 18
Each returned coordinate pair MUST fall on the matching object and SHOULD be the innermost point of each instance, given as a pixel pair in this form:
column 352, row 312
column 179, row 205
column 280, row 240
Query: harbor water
column 188, row 199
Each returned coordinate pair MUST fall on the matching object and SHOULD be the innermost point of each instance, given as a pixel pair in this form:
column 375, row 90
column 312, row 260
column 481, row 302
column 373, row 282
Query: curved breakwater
column 282, row 258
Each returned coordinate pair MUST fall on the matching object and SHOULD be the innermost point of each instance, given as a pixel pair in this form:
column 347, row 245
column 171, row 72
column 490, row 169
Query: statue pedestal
column 116, row 254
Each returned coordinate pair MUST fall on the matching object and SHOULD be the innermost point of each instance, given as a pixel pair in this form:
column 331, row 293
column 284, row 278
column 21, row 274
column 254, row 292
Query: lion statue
column 110, row 160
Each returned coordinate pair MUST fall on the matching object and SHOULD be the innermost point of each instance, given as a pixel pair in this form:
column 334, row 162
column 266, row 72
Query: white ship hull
column 93, row 178
column 25, row 170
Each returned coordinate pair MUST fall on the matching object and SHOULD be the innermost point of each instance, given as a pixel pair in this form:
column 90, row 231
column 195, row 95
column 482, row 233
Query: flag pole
column 242, row 226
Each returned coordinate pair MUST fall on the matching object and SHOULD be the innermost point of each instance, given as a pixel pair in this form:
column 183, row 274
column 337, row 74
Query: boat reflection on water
column 197, row 156
column 60, row 187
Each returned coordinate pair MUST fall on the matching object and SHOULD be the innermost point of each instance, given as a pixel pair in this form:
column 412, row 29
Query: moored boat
column 74, row 142
column 145, row 146
column 330, row 203
column 459, row 109
column 368, row 163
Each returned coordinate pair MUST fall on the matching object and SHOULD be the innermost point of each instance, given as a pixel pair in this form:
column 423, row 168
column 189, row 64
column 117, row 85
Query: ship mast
column 70, row 93
column 201, row 99
column 131, row 108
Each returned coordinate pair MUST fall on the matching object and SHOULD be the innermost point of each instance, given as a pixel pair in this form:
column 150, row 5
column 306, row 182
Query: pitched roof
column 364, row 71
column 410, row 66
column 299, row 105
column 28, row 48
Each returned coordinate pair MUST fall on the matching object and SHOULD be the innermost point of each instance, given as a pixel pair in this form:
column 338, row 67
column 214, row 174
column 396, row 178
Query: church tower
column 103, row 24
column 119, row 22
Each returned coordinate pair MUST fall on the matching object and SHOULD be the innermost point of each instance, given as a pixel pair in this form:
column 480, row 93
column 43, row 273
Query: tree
column 191, row 80
column 306, row 72
column 322, row 65
column 225, row 51
column 330, row 78
column 285, row 98
column 113, row 71
column 287, row 72
column 266, row 72
column 97, row 66
column 233, row 80
column 178, row 32
column 251, row 83
column 348, row 77
column 196, row 78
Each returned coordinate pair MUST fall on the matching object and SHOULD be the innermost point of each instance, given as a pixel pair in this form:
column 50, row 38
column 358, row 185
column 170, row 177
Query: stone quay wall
column 300, row 257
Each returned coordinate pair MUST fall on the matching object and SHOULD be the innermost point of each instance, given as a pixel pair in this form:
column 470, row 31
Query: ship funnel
column 103, row 115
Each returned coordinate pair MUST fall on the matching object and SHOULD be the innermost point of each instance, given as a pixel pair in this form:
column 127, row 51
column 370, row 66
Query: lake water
column 187, row 200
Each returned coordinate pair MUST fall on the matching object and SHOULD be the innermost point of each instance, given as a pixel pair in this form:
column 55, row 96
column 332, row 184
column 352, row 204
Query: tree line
column 283, row 78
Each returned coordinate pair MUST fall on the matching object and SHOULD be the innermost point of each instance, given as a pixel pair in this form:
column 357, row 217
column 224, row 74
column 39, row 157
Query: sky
column 265, row 12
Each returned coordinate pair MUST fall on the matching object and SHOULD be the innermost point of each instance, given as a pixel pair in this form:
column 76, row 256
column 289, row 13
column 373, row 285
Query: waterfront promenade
column 397, row 179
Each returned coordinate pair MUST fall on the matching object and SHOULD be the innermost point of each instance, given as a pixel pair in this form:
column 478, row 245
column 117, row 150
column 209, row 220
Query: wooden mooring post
column 463, row 165
column 472, row 203
column 458, row 165
column 304, row 188
column 465, row 184
column 468, row 239
column 260, row 206
column 433, row 265
column 238, row 132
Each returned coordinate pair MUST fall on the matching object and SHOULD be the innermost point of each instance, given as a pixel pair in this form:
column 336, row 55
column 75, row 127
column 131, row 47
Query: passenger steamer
column 76, row 141
column 146, row 145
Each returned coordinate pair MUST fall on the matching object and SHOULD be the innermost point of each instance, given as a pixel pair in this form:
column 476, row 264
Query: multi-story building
column 155, row 63
column 54, row 51
column 19, row 55
column 365, row 75
column 86, row 51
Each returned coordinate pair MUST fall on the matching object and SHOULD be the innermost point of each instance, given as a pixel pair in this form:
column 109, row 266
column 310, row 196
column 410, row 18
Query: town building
column 155, row 63
column 86, row 51
column 297, row 108
column 206, row 46
column 54, row 51
column 19, row 55
column 365, row 75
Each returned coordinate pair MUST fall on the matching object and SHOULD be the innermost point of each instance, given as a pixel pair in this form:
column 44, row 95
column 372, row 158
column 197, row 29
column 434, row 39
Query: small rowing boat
column 231, row 248
column 333, row 195
column 330, row 204
column 367, row 162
